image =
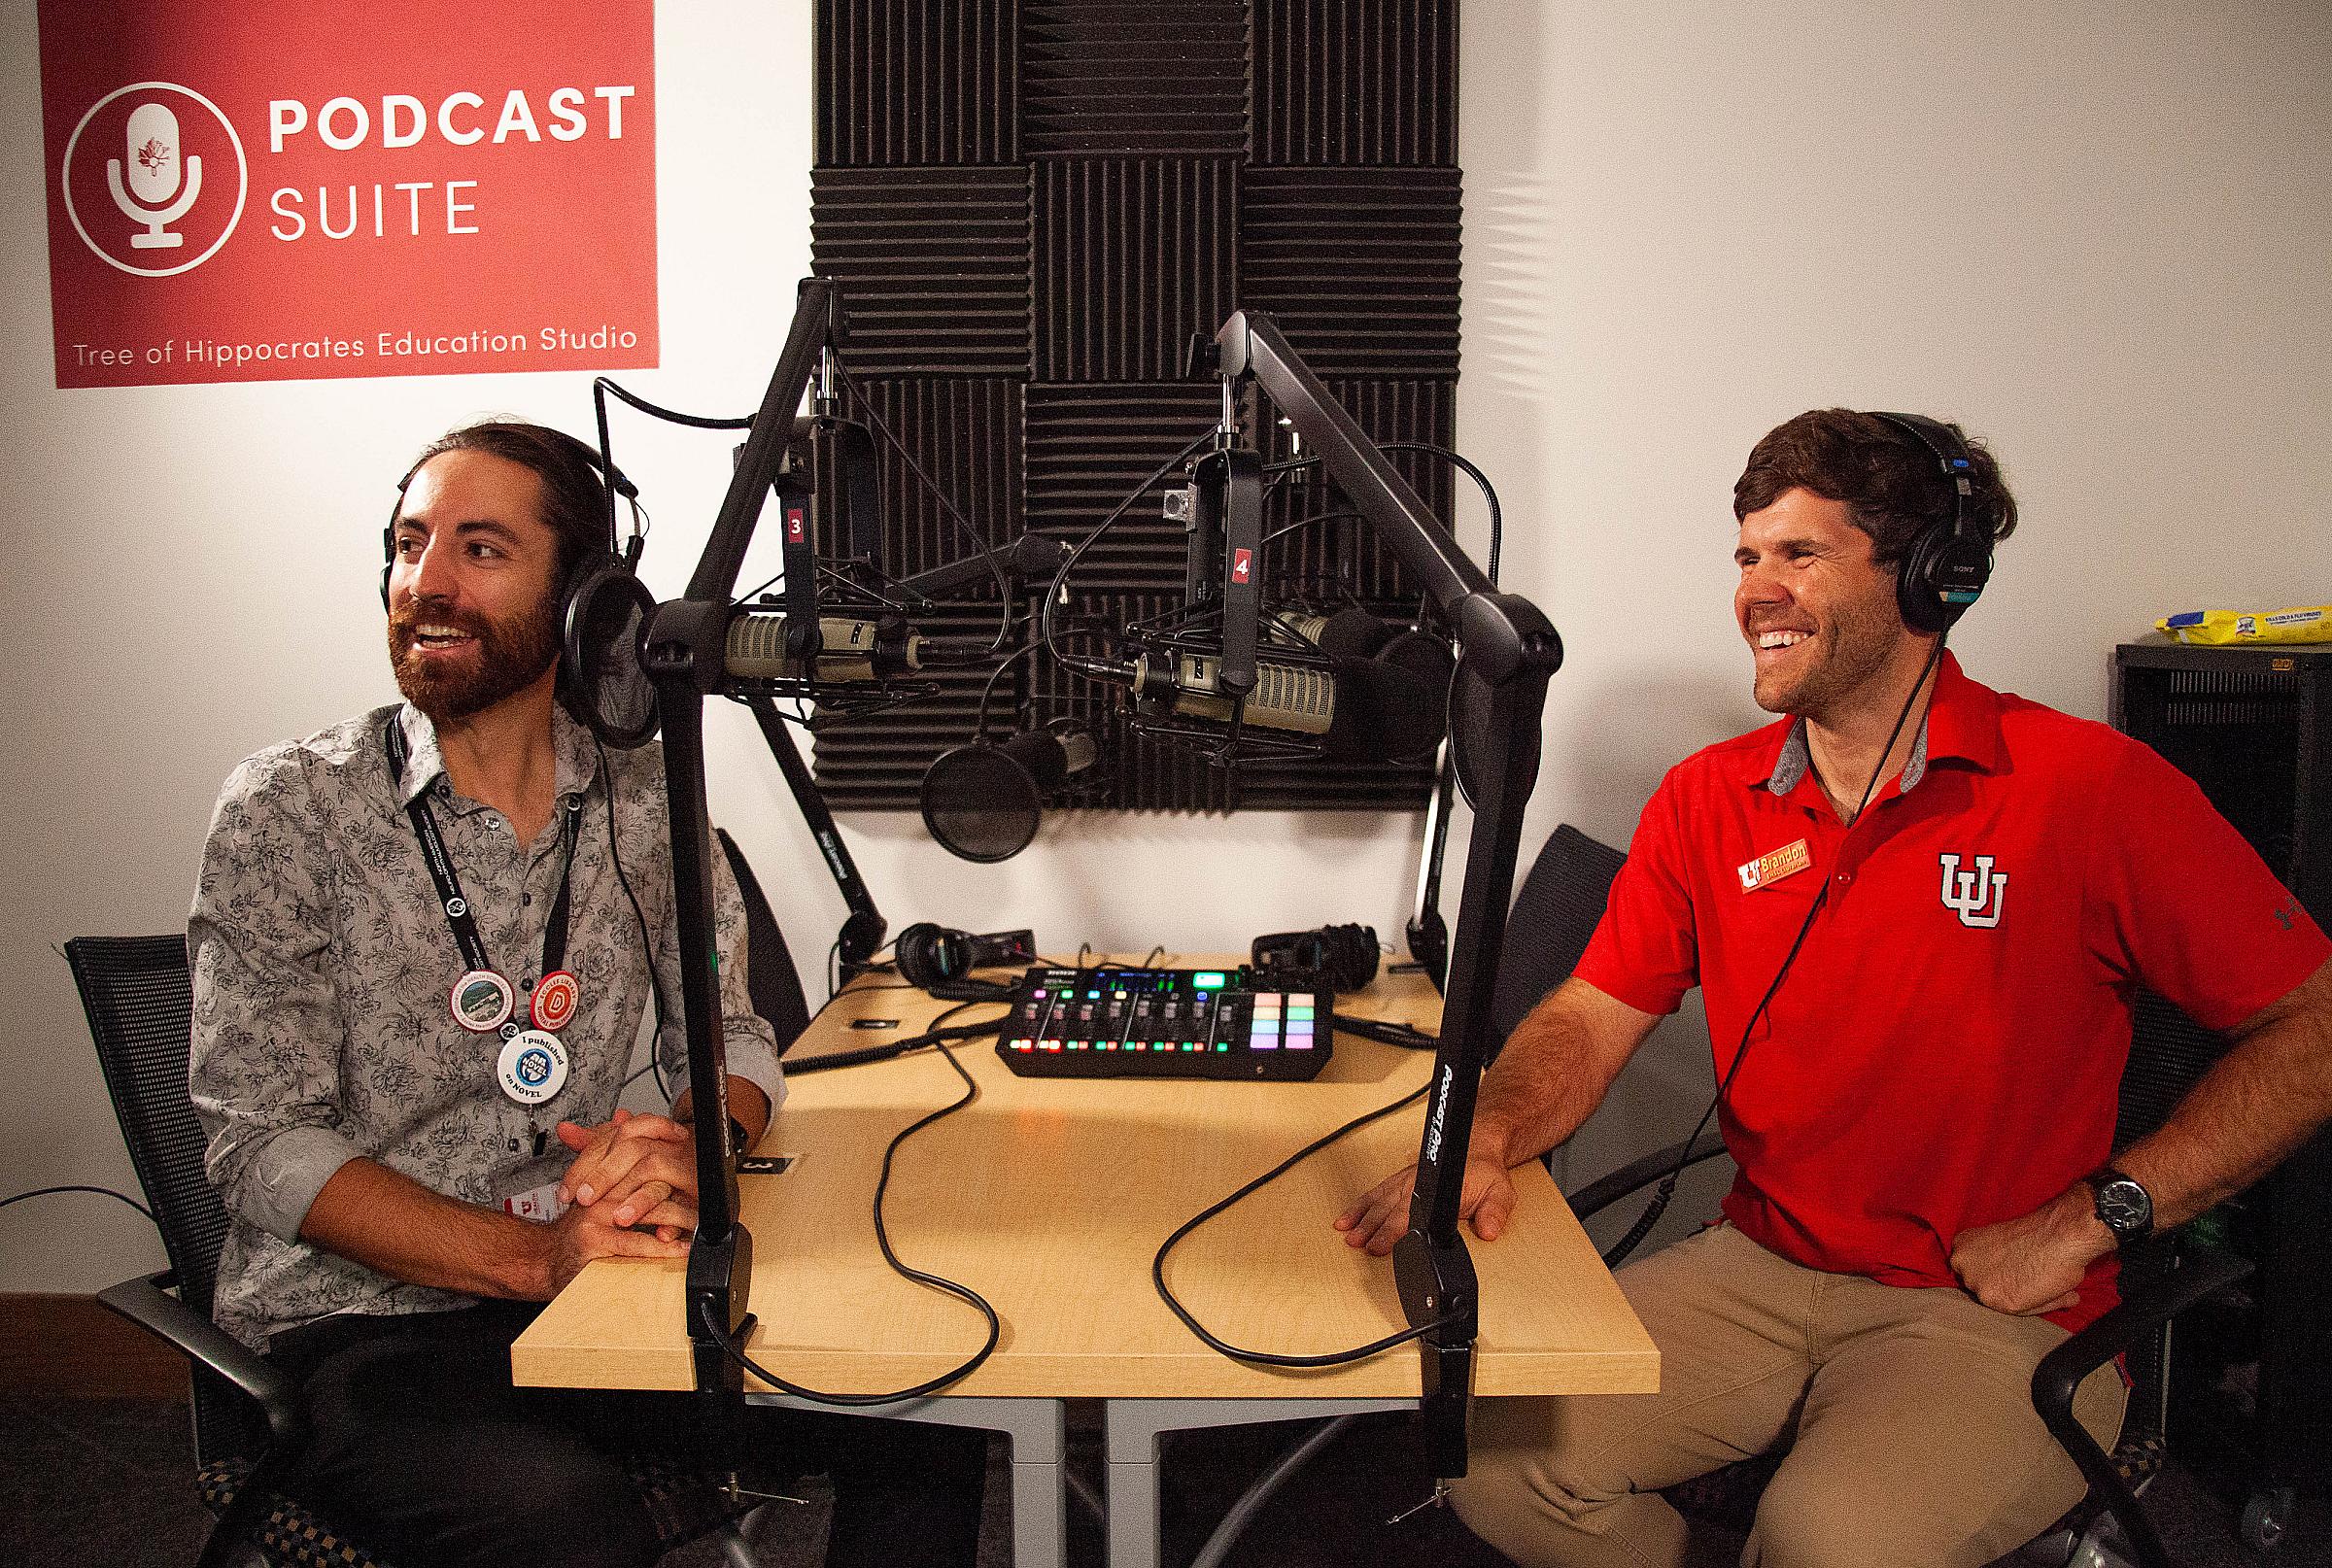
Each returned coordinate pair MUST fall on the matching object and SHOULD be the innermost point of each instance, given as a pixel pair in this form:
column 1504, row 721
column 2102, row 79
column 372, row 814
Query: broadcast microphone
column 983, row 802
column 1358, row 709
column 848, row 650
column 151, row 156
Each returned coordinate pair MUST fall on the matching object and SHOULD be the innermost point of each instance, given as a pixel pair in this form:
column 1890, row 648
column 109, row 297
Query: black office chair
column 1554, row 916
column 248, row 1425
column 770, row 978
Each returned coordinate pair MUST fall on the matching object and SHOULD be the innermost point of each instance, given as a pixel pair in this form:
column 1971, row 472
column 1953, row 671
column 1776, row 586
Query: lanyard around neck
column 457, row 915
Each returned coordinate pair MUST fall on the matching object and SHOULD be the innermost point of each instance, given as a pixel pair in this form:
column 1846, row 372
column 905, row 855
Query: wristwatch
column 2121, row 1205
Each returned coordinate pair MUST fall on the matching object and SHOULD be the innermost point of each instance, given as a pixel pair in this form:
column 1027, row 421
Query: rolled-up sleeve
column 751, row 1044
column 265, row 1074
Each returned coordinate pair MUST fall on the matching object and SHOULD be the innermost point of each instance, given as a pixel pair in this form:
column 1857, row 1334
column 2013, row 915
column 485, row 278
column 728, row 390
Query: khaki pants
column 1909, row 1413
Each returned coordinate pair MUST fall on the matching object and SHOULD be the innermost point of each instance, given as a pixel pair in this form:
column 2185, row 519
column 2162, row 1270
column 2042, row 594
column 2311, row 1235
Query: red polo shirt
column 1947, row 1049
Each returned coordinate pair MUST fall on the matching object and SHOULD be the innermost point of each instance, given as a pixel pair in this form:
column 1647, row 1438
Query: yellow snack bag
column 2219, row 628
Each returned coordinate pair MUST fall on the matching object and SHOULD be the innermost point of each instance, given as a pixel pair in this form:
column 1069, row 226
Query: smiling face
column 1818, row 612
column 472, row 588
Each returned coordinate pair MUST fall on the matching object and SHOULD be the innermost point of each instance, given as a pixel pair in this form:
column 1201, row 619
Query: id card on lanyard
column 532, row 1065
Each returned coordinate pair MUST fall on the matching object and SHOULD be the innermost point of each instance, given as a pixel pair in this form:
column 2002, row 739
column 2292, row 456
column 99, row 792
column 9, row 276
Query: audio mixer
column 1113, row 1022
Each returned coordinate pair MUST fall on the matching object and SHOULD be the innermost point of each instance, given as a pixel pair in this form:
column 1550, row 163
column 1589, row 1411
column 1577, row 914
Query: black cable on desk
column 732, row 1346
column 889, row 1049
column 1267, row 1358
column 1384, row 1032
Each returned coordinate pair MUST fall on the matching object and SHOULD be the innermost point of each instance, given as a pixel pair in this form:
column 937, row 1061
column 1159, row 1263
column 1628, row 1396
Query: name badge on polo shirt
column 1768, row 869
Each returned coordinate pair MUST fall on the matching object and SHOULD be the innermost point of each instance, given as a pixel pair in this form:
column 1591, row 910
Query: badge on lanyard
column 481, row 999
column 1766, row 870
column 533, row 1067
column 555, row 997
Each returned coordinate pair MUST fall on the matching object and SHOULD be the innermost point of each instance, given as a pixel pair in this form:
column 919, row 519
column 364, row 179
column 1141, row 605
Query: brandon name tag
column 1766, row 870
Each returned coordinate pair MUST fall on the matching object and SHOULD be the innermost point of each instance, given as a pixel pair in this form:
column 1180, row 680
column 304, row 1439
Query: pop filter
column 606, row 688
column 982, row 801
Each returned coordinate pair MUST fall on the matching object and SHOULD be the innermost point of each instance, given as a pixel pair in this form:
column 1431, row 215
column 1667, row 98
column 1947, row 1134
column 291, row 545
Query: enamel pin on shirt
column 555, row 997
column 533, row 1067
column 1768, row 869
column 481, row 1000
column 533, row 1064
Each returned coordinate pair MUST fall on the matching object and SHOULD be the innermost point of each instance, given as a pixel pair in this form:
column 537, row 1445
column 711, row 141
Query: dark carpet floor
column 108, row 1481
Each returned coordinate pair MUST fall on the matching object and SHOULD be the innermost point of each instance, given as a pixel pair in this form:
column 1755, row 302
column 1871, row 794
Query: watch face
column 2123, row 1206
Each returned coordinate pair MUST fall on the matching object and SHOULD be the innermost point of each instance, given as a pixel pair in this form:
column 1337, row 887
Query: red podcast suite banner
column 310, row 189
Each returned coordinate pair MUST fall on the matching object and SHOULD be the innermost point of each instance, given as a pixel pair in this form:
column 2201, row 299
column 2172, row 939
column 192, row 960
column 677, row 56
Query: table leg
column 1132, row 1427
column 1037, row 1430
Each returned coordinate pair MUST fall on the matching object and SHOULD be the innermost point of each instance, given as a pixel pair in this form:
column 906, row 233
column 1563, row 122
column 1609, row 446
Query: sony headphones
column 939, row 960
column 601, row 606
column 1947, row 564
column 1343, row 958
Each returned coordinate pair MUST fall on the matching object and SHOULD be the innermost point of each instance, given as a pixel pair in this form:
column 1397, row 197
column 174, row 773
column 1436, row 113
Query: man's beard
column 507, row 657
column 1858, row 645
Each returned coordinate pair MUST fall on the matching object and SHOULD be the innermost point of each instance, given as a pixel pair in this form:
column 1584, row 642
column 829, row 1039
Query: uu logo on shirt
column 1977, row 896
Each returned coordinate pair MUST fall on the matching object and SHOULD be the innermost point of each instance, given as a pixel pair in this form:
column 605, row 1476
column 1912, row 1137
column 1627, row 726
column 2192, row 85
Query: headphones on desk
column 1344, row 957
column 1946, row 565
column 939, row 959
column 601, row 610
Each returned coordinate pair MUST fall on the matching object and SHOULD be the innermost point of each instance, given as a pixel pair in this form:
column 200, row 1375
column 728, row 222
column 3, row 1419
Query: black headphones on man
column 1944, row 569
column 602, row 607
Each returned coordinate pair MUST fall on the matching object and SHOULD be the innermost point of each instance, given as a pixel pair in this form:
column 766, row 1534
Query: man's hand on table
column 584, row 1232
column 636, row 1170
column 1381, row 1216
column 2034, row 1264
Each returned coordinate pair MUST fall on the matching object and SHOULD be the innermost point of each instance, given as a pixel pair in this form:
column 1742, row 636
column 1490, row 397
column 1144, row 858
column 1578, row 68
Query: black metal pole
column 720, row 1257
column 863, row 928
column 1428, row 934
column 1510, row 648
column 684, row 654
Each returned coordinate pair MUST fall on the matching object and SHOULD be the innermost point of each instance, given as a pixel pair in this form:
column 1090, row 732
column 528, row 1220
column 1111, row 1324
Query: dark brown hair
column 1888, row 479
column 574, row 497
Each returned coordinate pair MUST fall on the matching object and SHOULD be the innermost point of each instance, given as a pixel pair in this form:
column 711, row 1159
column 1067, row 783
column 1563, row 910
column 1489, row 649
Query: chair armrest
column 1602, row 1193
column 2199, row 1272
column 145, row 1303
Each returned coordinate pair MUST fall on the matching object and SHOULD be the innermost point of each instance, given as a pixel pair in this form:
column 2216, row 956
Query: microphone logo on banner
column 155, row 179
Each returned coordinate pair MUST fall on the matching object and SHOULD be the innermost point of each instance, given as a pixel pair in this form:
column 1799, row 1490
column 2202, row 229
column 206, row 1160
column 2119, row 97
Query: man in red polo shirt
column 1918, row 910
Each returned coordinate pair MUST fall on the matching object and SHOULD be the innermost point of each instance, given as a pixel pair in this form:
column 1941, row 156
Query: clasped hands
column 631, row 1192
column 634, row 1170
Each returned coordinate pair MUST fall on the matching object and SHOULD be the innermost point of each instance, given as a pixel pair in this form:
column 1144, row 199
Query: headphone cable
column 1269, row 1358
column 1666, row 1190
column 732, row 1344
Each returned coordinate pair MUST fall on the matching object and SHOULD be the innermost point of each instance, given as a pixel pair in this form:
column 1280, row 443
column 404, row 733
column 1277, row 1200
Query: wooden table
column 1049, row 1196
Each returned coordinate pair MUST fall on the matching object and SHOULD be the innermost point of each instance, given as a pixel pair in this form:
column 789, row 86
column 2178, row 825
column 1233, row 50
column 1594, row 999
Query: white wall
column 2098, row 237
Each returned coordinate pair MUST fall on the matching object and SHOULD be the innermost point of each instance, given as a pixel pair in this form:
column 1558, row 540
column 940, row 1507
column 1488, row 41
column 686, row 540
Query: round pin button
column 480, row 1001
column 555, row 999
column 533, row 1067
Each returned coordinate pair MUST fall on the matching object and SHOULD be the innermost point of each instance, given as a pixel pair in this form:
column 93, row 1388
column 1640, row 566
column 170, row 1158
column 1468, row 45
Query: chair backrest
column 140, row 999
column 2169, row 1053
column 770, row 978
column 1553, row 917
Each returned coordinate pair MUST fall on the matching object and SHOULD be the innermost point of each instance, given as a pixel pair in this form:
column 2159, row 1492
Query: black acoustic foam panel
column 1032, row 208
